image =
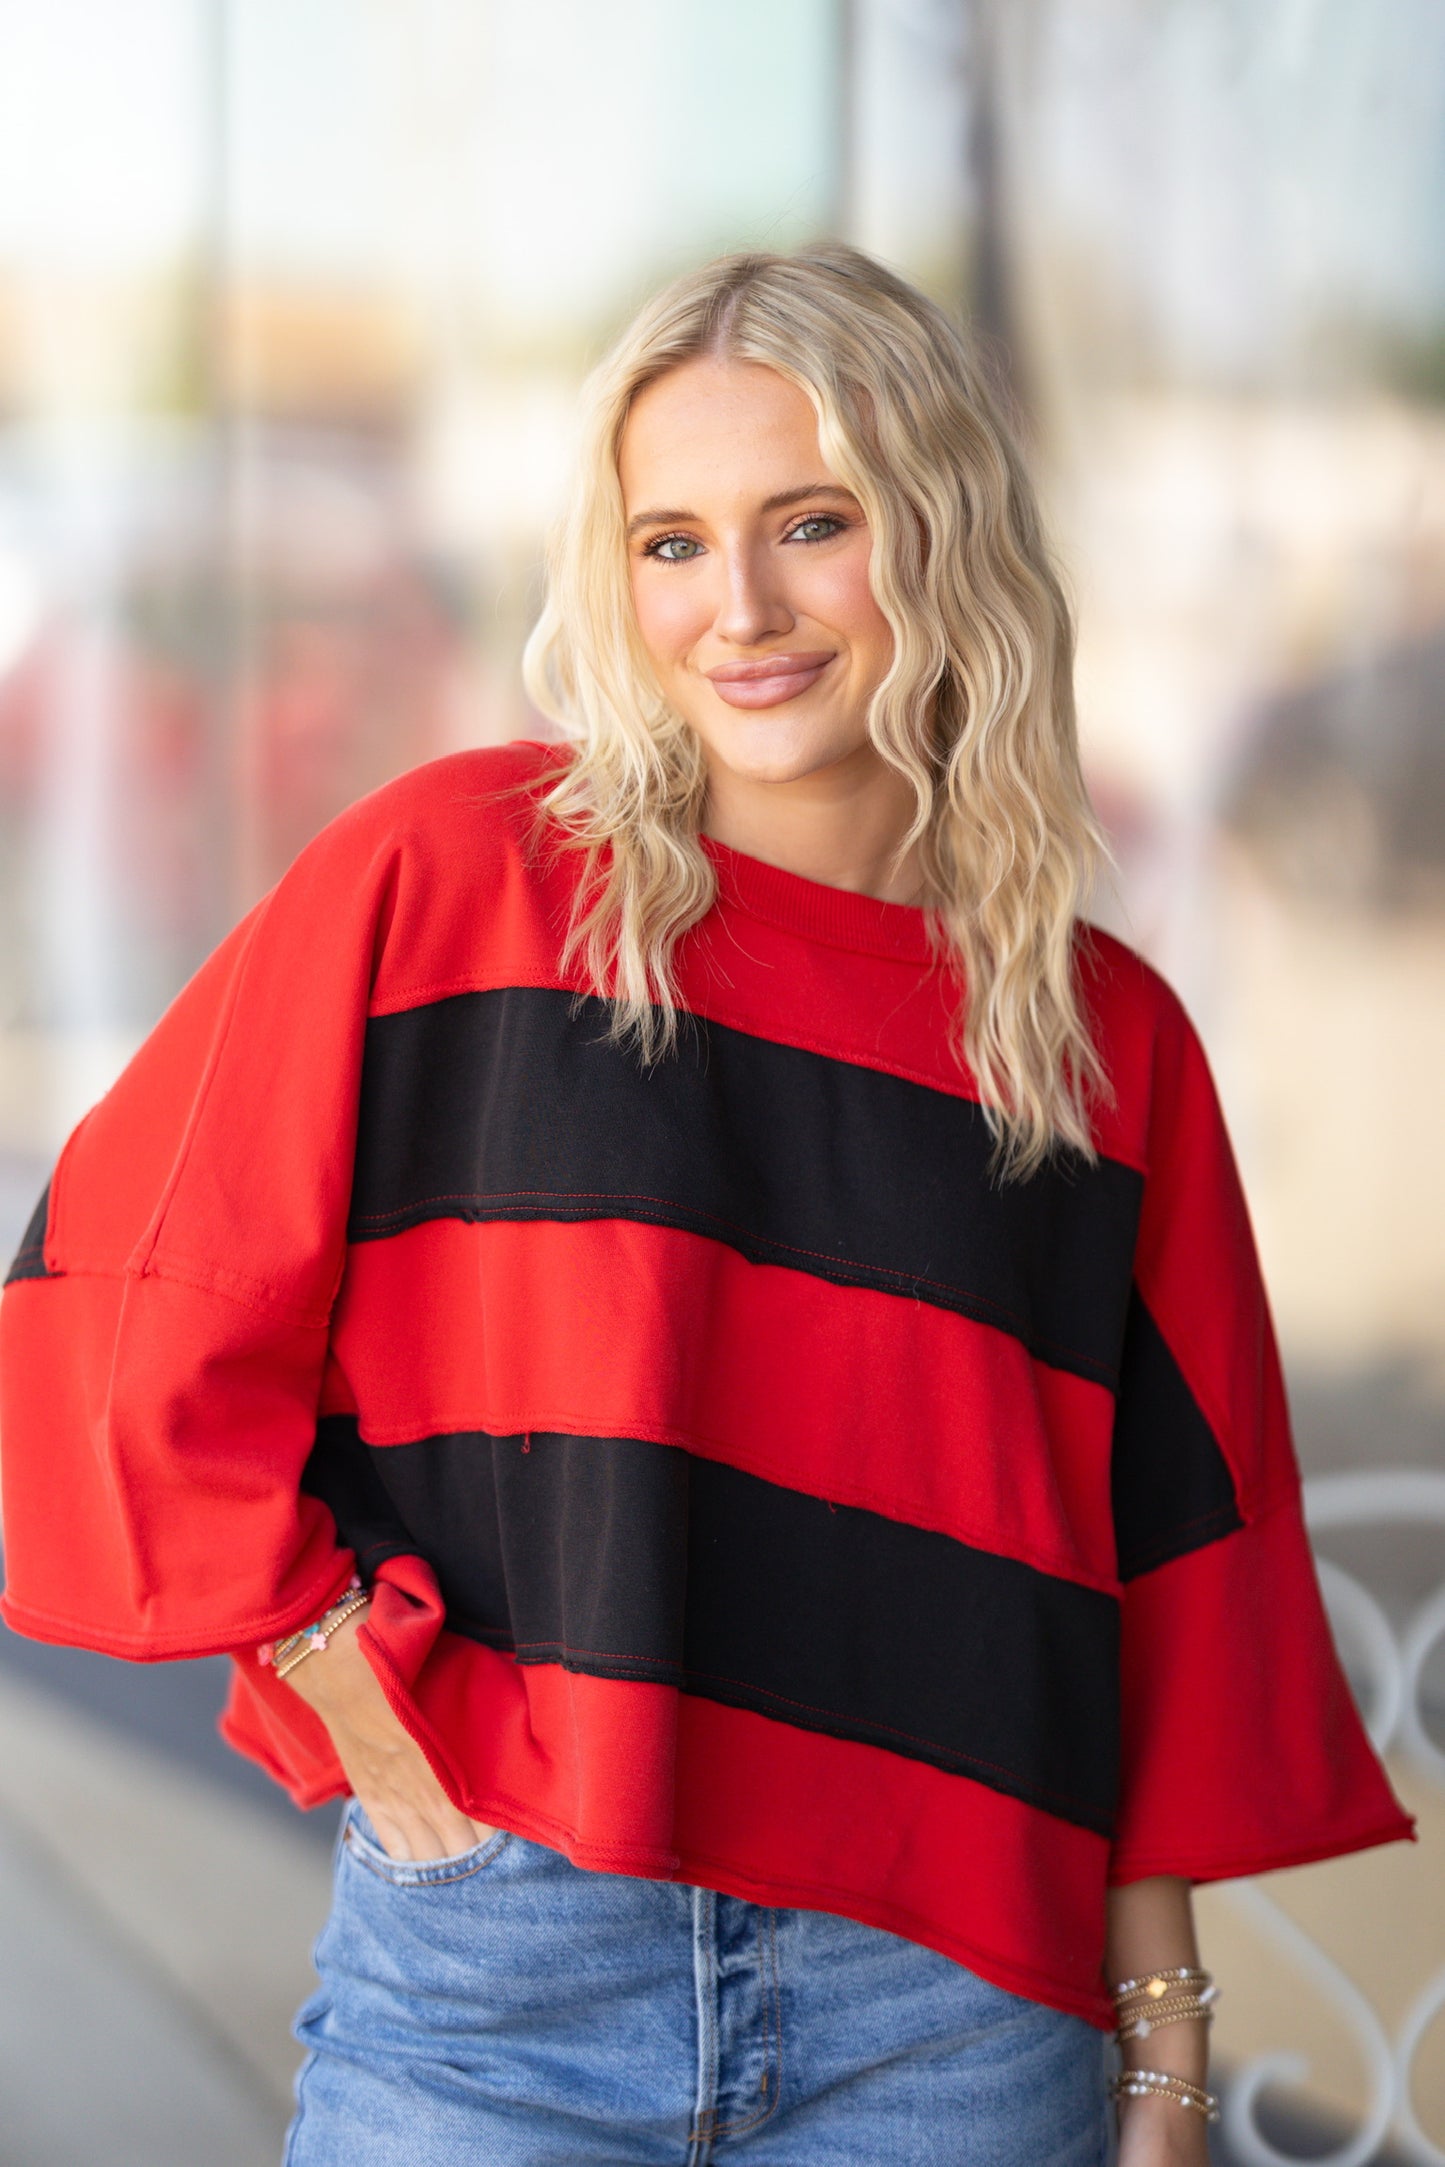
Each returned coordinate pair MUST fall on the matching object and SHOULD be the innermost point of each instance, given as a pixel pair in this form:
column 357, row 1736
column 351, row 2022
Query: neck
column 841, row 826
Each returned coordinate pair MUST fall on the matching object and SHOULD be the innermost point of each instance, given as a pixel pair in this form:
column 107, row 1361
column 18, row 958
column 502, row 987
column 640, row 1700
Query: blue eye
column 683, row 548
column 825, row 520
column 666, row 544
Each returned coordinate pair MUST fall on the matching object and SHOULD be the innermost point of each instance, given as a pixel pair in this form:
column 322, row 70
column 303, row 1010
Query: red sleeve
column 164, row 1326
column 1242, row 1746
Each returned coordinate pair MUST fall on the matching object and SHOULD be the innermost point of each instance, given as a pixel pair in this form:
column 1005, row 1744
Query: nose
column 752, row 607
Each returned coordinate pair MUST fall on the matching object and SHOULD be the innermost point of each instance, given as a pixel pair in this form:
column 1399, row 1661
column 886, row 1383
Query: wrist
column 339, row 1684
column 1155, row 2132
column 1177, row 2042
column 287, row 1654
column 1186, row 2056
column 1163, row 2019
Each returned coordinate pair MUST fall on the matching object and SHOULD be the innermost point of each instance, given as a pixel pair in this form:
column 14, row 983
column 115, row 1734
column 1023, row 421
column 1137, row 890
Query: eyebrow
column 779, row 503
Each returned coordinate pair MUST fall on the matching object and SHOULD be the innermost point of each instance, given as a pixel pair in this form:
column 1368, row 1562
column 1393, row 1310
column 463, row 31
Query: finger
column 390, row 1832
column 451, row 1832
column 415, row 1823
column 412, row 1829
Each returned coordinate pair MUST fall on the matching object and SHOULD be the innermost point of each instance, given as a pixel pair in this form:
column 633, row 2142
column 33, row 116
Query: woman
column 729, row 1308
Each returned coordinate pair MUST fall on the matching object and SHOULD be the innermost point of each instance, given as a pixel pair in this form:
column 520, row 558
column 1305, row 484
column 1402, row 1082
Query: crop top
column 754, row 1490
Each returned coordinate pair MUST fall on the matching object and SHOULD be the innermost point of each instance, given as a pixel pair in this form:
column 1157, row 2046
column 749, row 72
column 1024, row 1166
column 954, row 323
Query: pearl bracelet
column 1155, row 1983
column 1139, row 2083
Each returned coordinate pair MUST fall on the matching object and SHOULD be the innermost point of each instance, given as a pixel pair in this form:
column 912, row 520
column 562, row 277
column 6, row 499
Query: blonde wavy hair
column 977, row 708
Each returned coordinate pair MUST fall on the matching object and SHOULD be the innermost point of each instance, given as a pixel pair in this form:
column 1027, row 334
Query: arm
column 1227, row 1662
column 165, row 1327
column 1151, row 1928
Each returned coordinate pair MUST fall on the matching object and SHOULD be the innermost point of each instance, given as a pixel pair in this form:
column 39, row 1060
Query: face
column 749, row 567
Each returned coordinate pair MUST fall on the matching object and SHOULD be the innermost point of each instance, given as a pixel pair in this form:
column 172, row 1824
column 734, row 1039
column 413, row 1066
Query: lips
column 767, row 682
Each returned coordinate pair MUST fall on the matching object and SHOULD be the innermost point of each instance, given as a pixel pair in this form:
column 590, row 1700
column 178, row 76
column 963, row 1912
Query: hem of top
column 66, row 1632
column 1014, row 1978
column 1262, row 1859
column 504, row 1809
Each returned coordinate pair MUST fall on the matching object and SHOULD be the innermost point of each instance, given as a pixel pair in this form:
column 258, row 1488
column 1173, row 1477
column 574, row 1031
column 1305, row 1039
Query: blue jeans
column 509, row 2009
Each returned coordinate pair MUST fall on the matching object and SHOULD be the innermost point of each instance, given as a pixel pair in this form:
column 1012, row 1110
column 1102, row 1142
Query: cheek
column 841, row 597
column 671, row 615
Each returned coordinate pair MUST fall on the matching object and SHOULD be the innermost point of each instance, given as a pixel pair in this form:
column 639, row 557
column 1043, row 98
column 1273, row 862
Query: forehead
column 717, row 429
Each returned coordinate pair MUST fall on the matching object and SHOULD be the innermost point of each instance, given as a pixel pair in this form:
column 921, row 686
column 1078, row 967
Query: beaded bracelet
column 1172, row 2009
column 285, row 1654
column 1155, row 1983
column 320, row 1634
column 1139, row 2083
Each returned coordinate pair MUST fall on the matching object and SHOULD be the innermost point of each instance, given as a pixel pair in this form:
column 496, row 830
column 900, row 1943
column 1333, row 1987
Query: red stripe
column 861, row 1397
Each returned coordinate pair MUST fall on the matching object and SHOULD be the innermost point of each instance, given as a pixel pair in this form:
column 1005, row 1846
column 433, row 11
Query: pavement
column 155, row 1929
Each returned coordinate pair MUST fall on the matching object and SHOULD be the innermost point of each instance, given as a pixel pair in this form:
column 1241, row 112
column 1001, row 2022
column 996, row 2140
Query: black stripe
column 508, row 1105
column 29, row 1258
column 1173, row 1491
column 626, row 1559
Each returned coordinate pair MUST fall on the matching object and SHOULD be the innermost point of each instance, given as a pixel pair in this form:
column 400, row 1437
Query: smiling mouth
column 765, row 683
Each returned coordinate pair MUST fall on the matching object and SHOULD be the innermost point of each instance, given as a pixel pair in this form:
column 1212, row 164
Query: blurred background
column 295, row 296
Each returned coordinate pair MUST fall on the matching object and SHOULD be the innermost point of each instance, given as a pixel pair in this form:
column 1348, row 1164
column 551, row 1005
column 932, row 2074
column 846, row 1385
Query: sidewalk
column 154, row 1944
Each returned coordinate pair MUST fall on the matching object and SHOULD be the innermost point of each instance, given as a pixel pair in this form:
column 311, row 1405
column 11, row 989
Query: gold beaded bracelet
column 286, row 1654
column 1145, row 2005
column 1156, row 1983
column 1138, row 2019
column 1139, row 2083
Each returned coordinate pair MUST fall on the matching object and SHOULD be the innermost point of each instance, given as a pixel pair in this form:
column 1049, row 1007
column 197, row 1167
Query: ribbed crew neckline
column 838, row 916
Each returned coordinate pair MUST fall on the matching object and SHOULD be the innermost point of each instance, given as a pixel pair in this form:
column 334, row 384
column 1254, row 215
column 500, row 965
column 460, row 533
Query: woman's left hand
column 1161, row 2133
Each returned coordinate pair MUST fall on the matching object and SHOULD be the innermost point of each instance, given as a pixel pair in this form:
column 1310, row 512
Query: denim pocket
column 361, row 1843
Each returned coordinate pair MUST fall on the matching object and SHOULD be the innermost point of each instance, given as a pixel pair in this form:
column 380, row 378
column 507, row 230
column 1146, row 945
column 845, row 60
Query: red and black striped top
column 755, row 1491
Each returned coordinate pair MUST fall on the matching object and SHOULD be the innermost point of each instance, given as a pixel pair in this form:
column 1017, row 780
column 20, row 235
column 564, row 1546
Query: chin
column 768, row 750
column 779, row 770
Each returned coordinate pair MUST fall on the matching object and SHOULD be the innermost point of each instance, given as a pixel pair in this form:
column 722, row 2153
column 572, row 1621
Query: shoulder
column 1124, row 990
column 430, row 856
column 442, row 876
column 485, row 794
column 1147, row 1039
column 457, row 823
